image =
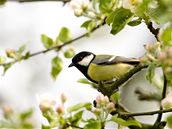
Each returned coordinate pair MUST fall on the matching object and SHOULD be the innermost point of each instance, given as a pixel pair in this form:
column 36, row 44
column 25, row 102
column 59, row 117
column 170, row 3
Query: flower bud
column 100, row 99
column 91, row 14
column 60, row 109
column 11, row 53
column 110, row 107
column 46, row 102
column 7, row 110
column 84, row 4
column 78, row 12
column 143, row 60
column 167, row 101
column 162, row 56
column 97, row 111
column 106, row 99
column 74, row 4
column 63, row 98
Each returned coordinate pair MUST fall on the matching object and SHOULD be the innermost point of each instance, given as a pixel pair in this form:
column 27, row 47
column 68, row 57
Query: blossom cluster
column 79, row 6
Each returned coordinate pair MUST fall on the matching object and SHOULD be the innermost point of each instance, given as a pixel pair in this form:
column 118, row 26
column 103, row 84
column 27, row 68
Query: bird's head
column 83, row 58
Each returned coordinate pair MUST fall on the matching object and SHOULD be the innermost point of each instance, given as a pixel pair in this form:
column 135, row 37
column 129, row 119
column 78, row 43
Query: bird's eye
column 80, row 58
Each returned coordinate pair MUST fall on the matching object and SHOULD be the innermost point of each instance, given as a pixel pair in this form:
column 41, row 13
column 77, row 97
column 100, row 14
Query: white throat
column 86, row 60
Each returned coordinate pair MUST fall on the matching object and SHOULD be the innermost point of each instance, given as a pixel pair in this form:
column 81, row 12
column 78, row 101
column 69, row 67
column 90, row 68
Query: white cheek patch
column 86, row 60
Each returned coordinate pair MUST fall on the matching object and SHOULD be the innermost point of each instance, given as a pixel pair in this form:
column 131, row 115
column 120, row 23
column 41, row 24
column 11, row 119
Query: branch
column 153, row 30
column 64, row 1
column 58, row 47
column 145, row 113
column 109, row 90
column 163, row 96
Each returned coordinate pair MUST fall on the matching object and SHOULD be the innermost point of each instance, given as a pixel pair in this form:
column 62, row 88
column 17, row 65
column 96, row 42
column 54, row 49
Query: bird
column 102, row 68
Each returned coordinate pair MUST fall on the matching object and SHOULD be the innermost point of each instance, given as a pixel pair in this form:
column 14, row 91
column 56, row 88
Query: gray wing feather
column 108, row 60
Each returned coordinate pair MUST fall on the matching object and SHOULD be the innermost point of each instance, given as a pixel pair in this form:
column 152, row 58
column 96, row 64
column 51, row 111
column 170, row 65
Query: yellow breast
column 108, row 72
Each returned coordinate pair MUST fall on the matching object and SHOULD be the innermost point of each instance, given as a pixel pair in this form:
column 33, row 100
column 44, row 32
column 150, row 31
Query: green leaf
column 2, row 2
column 93, row 125
column 120, row 18
column 21, row 49
column 150, row 72
column 79, row 106
column 135, row 22
column 57, row 65
column 76, row 118
column 89, row 25
column 169, row 121
column 45, row 126
column 64, row 35
column 115, row 97
column 6, row 67
column 69, row 53
column 125, row 122
column 166, row 35
column 168, row 73
column 142, row 9
column 110, row 18
column 47, row 41
column 105, row 6
column 27, row 125
column 2, row 60
column 85, row 81
column 27, row 55
column 27, row 114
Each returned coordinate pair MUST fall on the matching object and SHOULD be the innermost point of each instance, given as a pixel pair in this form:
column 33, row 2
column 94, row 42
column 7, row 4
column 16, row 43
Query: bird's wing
column 109, row 59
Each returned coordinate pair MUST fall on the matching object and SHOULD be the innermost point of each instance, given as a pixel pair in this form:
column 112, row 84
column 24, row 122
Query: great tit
column 99, row 68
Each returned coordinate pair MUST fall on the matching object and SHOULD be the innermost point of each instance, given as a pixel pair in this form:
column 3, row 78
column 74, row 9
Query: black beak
column 72, row 64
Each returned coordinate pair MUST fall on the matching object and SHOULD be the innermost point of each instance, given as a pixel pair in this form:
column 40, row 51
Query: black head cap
column 79, row 57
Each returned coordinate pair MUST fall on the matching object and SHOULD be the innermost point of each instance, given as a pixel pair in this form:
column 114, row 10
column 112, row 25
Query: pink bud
column 60, row 109
column 100, row 99
column 110, row 107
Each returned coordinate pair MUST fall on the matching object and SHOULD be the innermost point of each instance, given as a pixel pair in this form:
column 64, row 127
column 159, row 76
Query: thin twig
column 145, row 113
column 163, row 96
column 58, row 47
column 64, row 1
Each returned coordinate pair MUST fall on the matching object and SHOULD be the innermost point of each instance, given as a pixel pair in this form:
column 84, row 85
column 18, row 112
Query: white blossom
column 131, row 4
column 78, row 6
column 167, row 101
